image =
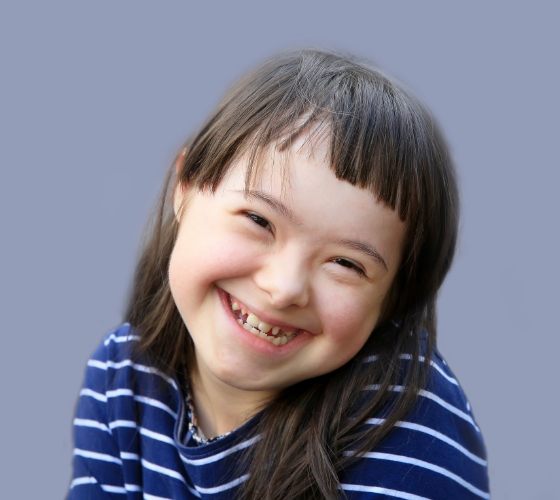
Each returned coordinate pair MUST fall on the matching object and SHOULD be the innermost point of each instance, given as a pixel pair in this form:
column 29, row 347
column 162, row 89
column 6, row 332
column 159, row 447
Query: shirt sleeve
column 97, row 464
column 436, row 452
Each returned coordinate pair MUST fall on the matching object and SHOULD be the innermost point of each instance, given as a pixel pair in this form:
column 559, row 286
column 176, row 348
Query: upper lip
column 265, row 317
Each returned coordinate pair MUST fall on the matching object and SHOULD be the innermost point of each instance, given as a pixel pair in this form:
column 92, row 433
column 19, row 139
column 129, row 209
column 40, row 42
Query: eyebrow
column 282, row 209
column 273, row 203
column 366, row 249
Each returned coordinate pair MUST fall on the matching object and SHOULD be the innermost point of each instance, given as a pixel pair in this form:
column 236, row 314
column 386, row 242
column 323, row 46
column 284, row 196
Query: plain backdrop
column 95, row 99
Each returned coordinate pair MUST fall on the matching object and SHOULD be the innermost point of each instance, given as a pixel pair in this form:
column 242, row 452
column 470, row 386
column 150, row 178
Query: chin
column 253, row 381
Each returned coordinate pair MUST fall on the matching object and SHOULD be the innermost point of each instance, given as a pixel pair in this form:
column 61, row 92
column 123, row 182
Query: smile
column 253, row 324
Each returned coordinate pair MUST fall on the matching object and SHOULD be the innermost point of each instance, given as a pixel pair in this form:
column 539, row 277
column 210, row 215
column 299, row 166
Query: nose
column 284, row 277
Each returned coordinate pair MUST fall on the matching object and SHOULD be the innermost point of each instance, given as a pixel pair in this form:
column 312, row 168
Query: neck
column 219, row 406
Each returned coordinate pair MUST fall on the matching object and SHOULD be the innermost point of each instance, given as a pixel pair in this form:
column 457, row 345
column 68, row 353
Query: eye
column 257, row 219
column 350, row 265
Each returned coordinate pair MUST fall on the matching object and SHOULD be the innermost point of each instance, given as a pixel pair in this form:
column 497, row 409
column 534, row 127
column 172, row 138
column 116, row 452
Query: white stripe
column 162, row 470
column 156, row 435
column 133, row 487
column 449, row 378
column 426, row 465
column 145, row 432
column 84, row 422
column 127, row 392
column 126, row 455
column 433, row 364
column 449, row 407
column 193, row 491
column 94, row 395
column 433, row 397
column 434, row 433
column 95, row 363
column 122, row 423
column 156, row 404
column 219, row 456
column 103, row 365
column 154, row 371
column 97, row 456
column 106, row 487
column 83, row 480
column 115, row 393
column 443, row 374
column 113, row 489
column 120, row 339
column 223, row 487
column 385, row 491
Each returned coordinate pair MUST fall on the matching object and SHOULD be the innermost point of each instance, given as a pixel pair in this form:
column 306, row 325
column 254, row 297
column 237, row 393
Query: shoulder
column 116, row 345
column 117, row 370
column 436, row 451
column 122, row 392
column 122, row 400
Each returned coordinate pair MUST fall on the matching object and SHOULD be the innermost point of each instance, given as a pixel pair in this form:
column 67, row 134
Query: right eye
column 257, row 219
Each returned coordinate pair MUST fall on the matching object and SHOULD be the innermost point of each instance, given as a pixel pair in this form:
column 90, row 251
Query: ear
column 180, row 160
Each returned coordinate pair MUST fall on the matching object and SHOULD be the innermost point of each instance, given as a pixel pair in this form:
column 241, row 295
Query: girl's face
column 305, row 256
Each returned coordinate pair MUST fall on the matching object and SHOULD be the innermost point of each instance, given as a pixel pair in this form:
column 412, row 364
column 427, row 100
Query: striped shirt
column 132, row 440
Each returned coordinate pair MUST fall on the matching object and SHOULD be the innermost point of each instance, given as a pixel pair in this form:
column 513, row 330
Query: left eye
column 350, row 265
column 257, row 219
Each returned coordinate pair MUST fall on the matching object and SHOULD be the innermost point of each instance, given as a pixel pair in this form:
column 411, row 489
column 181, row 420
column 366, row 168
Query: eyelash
column 258, row 220
column 349, row 265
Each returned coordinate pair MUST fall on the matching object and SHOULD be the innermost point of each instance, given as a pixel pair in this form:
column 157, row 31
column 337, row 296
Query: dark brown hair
column 381, row 138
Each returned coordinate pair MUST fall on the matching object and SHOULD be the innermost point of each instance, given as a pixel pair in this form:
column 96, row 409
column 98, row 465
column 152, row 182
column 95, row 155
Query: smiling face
column 304, row 259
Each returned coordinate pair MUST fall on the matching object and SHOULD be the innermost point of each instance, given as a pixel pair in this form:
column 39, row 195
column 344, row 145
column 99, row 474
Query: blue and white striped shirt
column 132, row 440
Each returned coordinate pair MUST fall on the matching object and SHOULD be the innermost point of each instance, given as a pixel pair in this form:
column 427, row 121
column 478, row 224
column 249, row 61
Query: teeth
column 253, row 320
column 260, row 329
column 273, row 340
column 264, row 327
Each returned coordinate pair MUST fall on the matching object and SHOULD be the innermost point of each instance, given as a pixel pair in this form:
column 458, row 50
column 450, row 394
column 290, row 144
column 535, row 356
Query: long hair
column 382, row 139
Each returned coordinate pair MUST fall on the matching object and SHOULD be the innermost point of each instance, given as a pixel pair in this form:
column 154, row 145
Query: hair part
column 380, row 138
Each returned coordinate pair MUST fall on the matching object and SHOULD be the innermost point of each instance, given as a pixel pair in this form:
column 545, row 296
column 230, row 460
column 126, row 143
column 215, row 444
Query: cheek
column 180, row 277
column 350, row 322
column 198, row 261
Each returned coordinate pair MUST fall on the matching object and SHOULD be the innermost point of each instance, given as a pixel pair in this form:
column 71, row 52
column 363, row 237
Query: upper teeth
column 260, row 328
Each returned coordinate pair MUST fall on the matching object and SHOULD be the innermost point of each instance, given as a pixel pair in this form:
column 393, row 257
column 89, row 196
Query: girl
column 280, row 334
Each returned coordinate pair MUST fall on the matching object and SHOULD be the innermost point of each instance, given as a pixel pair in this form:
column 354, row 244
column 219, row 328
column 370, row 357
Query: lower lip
column 258, row 344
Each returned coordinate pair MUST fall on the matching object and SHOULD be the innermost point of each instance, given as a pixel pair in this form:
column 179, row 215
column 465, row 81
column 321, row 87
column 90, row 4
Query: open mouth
column 253, row 324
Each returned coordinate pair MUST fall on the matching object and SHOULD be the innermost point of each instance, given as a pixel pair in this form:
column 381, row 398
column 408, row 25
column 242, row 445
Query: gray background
column 95, row 99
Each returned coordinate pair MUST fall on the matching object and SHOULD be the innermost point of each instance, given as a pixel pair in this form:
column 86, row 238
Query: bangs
column 379, row 137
